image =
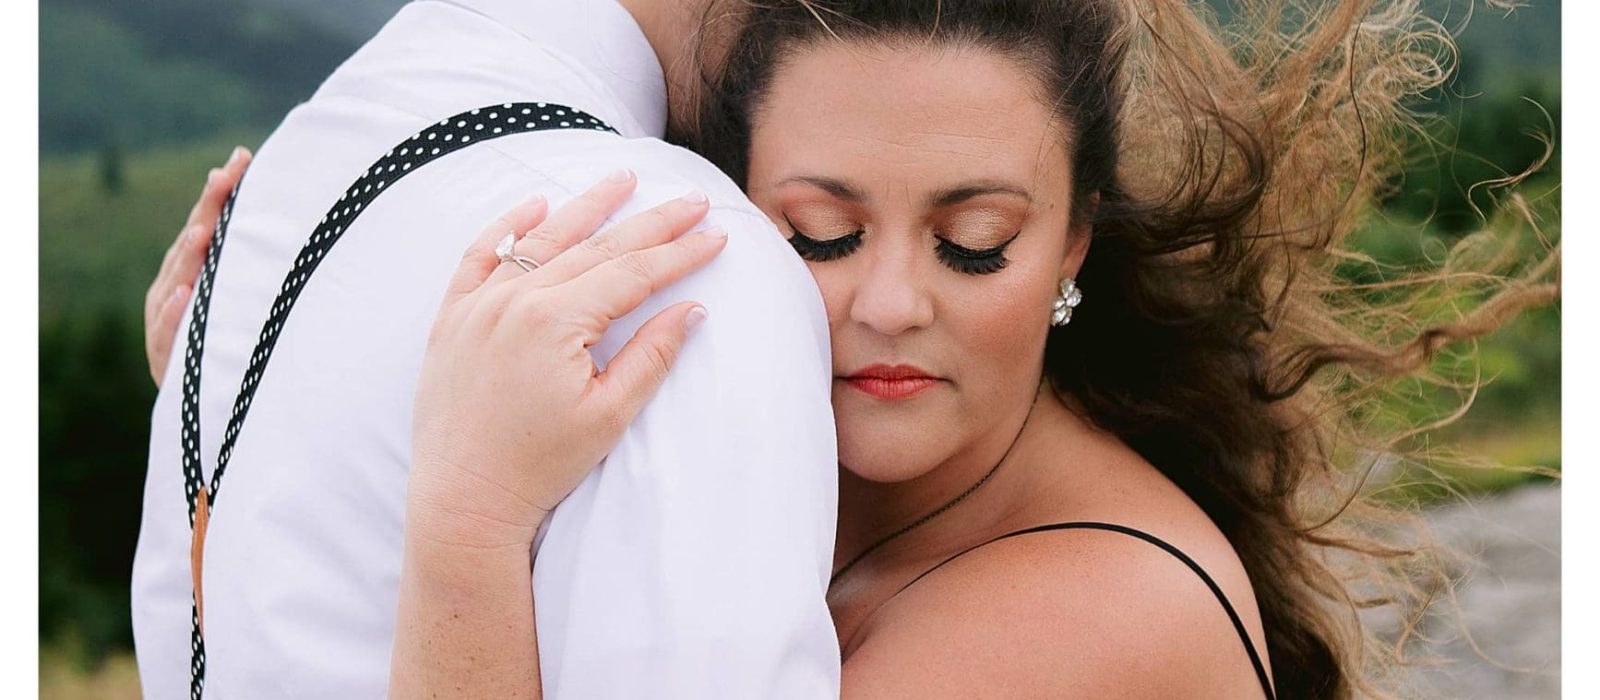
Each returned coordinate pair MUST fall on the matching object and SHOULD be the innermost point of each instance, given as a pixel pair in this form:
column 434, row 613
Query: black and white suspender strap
column 436, row 141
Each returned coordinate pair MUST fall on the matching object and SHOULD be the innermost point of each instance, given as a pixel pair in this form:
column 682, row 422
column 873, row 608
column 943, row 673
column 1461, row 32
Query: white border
column 19, row 280
column 1580, row 379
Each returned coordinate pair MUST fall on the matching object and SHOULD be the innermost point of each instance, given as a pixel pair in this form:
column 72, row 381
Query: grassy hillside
column 135, row 74
column 104, row 222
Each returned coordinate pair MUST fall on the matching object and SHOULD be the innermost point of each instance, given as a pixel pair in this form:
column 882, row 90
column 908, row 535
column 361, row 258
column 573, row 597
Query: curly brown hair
column 1225, row 165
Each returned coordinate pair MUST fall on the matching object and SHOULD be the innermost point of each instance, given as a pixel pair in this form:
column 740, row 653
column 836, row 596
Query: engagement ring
column 506, row 251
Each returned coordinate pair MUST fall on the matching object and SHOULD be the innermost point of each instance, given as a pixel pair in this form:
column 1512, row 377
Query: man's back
column 703, row 542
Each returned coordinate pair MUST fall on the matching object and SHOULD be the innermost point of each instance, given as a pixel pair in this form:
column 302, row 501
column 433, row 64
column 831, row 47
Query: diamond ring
column 506, row 252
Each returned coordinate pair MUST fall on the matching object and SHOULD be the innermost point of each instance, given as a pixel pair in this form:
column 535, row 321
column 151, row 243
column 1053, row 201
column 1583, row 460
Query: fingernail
column 213, row 175
column 532, row 200
column 697, row 315
column 622, row 175
column 238, row 152
column 715, row 233
column 694, row 198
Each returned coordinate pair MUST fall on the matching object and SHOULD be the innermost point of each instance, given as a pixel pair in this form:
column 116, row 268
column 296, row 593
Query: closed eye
column 819, row 250
column 973, row 261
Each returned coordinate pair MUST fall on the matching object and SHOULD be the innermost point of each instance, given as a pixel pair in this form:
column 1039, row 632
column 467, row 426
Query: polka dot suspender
column 436, row 141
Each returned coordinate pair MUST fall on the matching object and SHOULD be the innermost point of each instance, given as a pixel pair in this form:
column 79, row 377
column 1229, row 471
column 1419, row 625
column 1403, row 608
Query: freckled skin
column 894, row 301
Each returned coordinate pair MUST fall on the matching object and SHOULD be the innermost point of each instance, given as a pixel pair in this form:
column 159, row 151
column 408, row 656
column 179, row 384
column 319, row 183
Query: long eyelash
column 973, row 262
column 822, row 251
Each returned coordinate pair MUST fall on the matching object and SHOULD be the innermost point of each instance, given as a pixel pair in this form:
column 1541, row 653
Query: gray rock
column 1510, row 601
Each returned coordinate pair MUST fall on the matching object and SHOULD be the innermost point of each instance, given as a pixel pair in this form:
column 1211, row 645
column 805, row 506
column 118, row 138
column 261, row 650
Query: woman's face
column 928, row 190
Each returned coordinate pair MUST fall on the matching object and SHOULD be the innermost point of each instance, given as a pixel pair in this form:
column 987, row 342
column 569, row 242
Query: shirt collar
column 596, row 36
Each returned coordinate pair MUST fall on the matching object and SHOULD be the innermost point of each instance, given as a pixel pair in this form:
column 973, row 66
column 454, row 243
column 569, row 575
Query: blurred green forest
column 139, row 99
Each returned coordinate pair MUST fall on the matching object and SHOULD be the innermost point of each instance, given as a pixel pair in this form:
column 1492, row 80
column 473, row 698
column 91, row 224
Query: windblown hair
column 1224, row 165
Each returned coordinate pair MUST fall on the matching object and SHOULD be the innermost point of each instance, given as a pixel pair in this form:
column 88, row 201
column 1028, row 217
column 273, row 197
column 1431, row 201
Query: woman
column 1128, row 499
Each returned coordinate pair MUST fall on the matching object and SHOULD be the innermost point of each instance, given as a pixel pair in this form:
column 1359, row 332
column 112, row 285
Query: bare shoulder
column 1074, row 613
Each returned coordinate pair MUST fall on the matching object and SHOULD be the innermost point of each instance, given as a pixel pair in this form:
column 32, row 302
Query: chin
column 890, row 471
column 890, row 442
column 885, row 453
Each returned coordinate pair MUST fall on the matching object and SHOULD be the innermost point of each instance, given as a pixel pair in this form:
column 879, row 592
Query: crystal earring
column 1061, row 308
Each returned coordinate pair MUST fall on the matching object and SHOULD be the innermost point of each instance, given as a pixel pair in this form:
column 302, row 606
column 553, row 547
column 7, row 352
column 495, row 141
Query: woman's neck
column 869, row 511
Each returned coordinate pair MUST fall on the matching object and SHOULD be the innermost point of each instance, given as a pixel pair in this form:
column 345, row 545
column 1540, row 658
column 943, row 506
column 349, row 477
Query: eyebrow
column 837, row 188
column 943, row 198
column 963, row 192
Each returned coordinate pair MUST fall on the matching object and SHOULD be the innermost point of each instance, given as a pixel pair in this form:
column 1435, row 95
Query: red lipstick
column 891, row 382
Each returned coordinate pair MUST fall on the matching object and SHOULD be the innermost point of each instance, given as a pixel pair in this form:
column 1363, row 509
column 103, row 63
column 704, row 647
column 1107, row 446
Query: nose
column 891, row 297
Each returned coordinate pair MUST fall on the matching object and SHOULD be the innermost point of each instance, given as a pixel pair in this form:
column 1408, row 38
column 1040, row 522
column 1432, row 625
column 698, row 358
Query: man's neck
column 673, row 29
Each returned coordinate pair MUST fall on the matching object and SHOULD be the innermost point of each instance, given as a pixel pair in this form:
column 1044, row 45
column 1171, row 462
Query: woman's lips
column 891, row 389
column 891, row 383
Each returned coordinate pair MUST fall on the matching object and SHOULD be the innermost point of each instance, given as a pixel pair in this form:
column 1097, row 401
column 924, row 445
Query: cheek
column 1000, row 332
column 836, row 282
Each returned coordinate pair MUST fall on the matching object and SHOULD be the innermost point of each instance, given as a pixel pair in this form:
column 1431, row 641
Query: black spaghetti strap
column 1238, row 625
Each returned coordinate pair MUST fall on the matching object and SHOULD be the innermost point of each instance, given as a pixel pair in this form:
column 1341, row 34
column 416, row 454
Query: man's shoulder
column 581, row 158
column 664, row 171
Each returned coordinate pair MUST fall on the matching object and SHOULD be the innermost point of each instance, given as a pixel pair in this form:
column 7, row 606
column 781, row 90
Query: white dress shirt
column 692, row 563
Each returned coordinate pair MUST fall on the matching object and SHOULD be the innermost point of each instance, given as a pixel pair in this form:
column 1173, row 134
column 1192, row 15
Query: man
column 693, row 563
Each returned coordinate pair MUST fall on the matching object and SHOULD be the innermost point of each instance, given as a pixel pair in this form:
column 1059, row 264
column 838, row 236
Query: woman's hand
column 174, row 284
column 511, row 412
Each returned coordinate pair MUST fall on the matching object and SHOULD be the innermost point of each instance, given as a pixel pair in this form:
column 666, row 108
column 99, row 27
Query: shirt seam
column 565, row 59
